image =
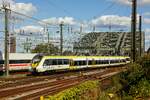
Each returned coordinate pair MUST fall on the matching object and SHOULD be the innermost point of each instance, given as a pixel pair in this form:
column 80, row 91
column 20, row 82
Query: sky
column 100, row 13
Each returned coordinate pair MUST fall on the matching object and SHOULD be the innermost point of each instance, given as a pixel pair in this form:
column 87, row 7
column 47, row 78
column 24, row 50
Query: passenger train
column 17, row 62
column 42, row 63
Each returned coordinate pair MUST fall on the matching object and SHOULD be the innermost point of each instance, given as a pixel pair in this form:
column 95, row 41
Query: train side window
column 82, row 63
column 76, row 63
column 1, row 61
column 102, row 61
column 25, row 61
column 105, row 61
column 121, row 60
column 98, row 61
column 128, row 59
column 54, row 62
column 19, row 61
column 113, row 61
column 65, row 61
column 11, row 61
column 46, row 62
column 90, row 62
column 118, row 61
column 59, row 61
column 124, row 60
column 79, row 63
column 50, row 62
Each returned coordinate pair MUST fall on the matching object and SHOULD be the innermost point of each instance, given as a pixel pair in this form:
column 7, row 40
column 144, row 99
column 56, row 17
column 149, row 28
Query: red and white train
column 17, row 61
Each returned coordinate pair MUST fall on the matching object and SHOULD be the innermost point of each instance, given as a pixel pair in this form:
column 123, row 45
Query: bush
column 75, row 92
column 103, row 96
column 134, row 74
column 135, row 81
column 142, row 89
column 123, row 82
column 144, row 61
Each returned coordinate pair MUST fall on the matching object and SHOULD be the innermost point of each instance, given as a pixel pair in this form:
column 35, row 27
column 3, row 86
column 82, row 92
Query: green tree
column 46, row 49
column 67, row 53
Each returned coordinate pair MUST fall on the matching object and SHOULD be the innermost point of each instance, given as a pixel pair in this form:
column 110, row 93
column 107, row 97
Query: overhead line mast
column 61, row 38
column 6, row 63
column 133, row 30
column 140, row 33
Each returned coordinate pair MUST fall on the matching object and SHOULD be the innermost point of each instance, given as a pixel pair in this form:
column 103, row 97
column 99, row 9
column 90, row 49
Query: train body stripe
column 13, row 65
column 21, row 65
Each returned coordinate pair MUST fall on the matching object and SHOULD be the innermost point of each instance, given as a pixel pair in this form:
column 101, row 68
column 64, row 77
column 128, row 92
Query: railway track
column 33, row 87
column 13, row 81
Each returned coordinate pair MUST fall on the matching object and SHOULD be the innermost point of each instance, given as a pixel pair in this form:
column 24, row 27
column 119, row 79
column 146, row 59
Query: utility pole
column 81, row 28
column 110, row 26
column 94, row 25
column 27, row 45
column 6, row 41
column 48, row 41
column 94, row 28
column 68, row 29
column 61, row 38
column 140, row 35
column 133, row 30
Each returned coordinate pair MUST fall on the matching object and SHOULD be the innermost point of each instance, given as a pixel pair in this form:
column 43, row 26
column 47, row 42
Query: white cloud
column 146, row 20
column 56, row 21
column 30, row 29
column 113, row 20
column 147, row 34
column 24, row 8
column 146, row 14
column 66, row 20
column 129, row 2
column 145, row 2
column 126, row 2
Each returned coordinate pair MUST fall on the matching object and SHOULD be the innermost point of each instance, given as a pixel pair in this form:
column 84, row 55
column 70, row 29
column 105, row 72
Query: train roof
column 20, row 56
column 109, row 57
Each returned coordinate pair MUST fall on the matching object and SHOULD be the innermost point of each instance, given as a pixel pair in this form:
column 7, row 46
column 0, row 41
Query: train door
column 71, row 64
column 93, row 62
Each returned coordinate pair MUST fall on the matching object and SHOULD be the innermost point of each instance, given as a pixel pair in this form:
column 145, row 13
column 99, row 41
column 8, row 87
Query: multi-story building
column 108, row 43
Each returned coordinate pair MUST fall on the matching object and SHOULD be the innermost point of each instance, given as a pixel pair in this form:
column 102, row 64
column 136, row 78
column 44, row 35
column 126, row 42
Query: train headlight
column 30, row 69
column 3, row 68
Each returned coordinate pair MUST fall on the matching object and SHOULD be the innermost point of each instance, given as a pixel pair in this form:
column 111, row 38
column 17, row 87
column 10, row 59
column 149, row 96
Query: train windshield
column 37, row 58
column 127, row 59
column 1, row 63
